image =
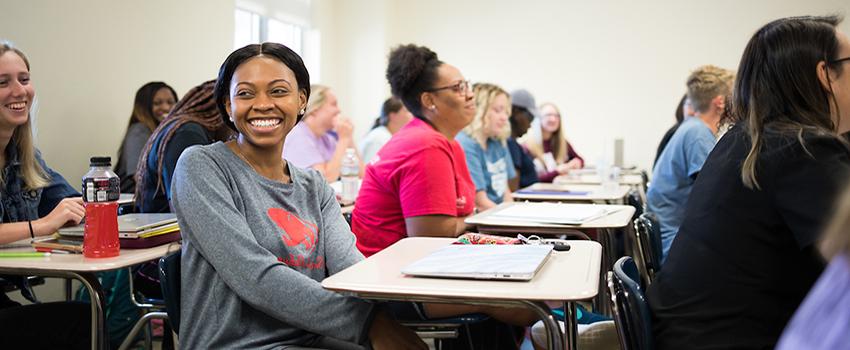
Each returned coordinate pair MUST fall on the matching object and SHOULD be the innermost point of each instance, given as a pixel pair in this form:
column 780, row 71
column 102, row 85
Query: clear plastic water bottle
column 101, row 189
column 350, row 176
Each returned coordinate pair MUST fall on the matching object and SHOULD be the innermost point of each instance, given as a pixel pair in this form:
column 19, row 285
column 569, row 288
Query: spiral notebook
column 471, row 261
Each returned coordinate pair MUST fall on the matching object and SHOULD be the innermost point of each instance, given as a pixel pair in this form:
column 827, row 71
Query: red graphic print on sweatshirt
column 295, row 230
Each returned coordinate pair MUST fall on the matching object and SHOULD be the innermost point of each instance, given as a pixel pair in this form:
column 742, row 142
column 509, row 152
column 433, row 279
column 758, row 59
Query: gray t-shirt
column 134, row 143
column 254, row 254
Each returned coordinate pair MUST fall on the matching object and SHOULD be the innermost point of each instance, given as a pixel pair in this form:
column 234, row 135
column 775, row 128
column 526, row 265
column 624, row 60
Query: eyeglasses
column 840, row 60
column 463, row 87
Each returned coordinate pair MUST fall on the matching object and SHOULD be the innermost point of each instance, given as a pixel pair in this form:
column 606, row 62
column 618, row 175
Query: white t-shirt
column 373, row 141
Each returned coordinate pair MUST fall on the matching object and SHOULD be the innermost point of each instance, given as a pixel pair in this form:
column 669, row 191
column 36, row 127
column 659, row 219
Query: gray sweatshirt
column 254, row 254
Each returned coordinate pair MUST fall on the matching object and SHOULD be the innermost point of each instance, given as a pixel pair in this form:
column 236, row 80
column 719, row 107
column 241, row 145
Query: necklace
column 283, row 178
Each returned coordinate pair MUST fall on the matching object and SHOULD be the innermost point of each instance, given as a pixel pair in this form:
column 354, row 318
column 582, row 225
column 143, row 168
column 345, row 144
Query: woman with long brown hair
column 153, row 102
column 745, row 256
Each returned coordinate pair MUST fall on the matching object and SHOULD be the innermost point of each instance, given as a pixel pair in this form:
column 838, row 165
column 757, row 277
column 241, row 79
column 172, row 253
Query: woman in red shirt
column 418, row 183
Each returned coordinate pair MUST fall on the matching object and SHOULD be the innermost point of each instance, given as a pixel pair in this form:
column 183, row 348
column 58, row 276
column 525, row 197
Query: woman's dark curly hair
column 412, row 70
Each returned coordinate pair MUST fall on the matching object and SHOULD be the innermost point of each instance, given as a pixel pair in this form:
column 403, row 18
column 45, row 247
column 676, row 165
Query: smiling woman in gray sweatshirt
column 259, row 235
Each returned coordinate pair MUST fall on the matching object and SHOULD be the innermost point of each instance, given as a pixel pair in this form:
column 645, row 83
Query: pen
column 54, row 251
column 23, row 254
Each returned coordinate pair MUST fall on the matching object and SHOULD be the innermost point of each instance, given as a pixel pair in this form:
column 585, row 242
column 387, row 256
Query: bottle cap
column 100, row 161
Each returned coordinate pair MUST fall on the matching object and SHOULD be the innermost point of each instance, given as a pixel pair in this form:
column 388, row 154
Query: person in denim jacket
column 34, row 201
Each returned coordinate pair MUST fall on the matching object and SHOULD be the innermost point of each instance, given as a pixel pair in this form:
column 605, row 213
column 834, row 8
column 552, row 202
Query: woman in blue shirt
column 485, row 143
column 36, row 201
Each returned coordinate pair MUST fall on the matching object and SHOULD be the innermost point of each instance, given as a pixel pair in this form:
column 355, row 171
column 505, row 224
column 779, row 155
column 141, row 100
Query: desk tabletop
column 618, row 216
column 570, row 193
column 593, row 179
column 79, row 263
column 567, row 276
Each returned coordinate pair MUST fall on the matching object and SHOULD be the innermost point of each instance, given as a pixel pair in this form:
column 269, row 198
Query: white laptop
column 129, row 225
column 550, row 213
column 482, row 261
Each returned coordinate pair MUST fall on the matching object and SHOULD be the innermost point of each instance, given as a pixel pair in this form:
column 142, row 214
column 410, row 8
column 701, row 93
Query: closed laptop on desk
column 505, row 262
column 129, row 225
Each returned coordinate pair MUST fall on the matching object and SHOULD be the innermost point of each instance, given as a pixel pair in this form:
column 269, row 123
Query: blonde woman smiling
column 484, row 142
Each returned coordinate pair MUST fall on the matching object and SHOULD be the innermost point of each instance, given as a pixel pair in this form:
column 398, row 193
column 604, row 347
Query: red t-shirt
column 418, row 172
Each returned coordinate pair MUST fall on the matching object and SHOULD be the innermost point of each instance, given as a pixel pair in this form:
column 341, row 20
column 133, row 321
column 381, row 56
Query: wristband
column 32, row 234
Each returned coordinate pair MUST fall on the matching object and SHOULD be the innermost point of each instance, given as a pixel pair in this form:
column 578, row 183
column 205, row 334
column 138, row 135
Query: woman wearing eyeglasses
column 419, row 183
column 745, row 255
column 553, row 154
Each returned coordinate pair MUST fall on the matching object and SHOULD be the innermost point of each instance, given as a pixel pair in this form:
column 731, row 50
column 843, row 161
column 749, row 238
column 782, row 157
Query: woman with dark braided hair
column 194, row 121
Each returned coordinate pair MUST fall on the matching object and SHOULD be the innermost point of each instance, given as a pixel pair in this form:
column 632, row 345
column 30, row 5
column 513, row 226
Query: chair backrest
column 644, row 177
column 631, row 311
column 635, row 200
column 169, row 279
column 648, row 234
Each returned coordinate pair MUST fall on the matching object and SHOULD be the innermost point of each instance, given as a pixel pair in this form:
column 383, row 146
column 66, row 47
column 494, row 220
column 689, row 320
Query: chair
column 644, row 176
column 445, row 328
column 169, row 279
column 648, row 241
column 633, row 198
column 631, row 310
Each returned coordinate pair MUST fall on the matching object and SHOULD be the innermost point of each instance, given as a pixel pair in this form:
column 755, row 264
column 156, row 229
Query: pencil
column 23, row 254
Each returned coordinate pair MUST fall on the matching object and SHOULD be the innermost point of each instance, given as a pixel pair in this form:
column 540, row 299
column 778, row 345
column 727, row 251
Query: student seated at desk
column 520, row 119
column 553, row 154
column 153, row 102
column 195, row 120
column 393, row 117
column 259, row 234
column 484, row 143
column 744, row 257
column 322, row 136
column 681, row 160
column 34, row 201
column 420, row 185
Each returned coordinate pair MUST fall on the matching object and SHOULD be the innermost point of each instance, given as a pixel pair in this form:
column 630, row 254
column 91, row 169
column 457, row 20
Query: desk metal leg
column 606, row 239
column 553, row 330
column 570, row 326
column 98, row 324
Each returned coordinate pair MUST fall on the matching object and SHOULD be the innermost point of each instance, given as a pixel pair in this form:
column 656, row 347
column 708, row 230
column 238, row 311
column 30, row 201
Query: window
column 253, row 28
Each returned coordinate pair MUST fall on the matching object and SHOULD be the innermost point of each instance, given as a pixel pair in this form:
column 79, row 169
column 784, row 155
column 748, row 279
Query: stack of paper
column 550, row 213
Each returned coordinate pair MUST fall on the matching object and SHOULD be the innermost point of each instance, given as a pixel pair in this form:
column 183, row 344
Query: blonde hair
column 707, row 82
column 318, row 97
column 32, row 172
column 836, row 237
column 558, row 141
column 485, row 94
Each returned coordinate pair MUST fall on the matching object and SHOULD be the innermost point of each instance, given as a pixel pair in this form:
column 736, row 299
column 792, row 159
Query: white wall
column 89, row 57
column 615, row 68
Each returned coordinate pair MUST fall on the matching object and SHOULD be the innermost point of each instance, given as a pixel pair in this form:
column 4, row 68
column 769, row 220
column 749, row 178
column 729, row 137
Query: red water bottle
column 101, row 189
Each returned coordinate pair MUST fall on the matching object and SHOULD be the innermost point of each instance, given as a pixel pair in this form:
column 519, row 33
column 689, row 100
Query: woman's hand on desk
column 565, row 168
column 386, row 333
column 68, row 211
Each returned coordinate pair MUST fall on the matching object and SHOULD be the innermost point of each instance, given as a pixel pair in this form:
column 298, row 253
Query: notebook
column 471, row 261
column 130, row 225
column 550, row 213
